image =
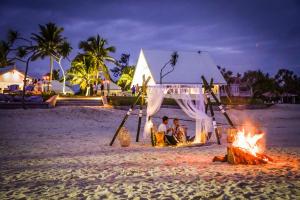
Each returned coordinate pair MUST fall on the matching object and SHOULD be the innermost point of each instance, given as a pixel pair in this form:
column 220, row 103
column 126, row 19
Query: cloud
column 239, row 34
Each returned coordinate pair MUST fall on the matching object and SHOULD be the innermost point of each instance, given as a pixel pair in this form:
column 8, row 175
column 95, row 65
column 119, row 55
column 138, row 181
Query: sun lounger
column 6, row 98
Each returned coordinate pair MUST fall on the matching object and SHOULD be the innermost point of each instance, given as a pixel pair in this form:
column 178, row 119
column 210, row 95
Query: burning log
column 236, row 155
column 244, row 149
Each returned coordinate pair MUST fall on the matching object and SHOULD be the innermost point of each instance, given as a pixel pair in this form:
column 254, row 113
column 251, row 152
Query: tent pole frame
column 142, row 101
column 220, row 106
column 209, row 104
column 129, row 112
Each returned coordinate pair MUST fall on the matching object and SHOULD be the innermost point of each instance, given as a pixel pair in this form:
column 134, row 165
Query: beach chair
column 13, row 88
column 157, row 138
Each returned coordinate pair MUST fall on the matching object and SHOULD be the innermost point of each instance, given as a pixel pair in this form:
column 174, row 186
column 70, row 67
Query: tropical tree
column 229, row 78
column 63, row 52
column 55, row 75
column 172, row 62
column 98, row 52
column 259, row 82
column 83, row 72
column 120, row 65
column 287, row 81
column 126, row 77
column 48, row 43
column 227, row 74
column 8, row 50
column 4, row 51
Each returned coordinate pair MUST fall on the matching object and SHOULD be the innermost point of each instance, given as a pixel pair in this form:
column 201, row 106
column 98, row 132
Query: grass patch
column 47, row 95
column 127, row 101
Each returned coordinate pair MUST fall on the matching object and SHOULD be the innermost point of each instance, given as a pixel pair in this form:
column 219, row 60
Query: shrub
column 127, row 101
column 47, row 95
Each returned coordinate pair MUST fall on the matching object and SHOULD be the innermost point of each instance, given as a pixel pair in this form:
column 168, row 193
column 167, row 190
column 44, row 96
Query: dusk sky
column 240, row 35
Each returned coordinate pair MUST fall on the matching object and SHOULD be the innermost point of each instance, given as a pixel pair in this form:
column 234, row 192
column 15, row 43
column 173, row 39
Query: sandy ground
column 63, row 153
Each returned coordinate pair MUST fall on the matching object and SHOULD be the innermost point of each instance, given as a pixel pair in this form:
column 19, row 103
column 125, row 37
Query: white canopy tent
column 57, row 87
column 184, row 84
column 193, row 107
column 188, row 70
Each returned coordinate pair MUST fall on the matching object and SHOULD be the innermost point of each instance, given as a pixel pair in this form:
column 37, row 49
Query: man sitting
column 169, row 139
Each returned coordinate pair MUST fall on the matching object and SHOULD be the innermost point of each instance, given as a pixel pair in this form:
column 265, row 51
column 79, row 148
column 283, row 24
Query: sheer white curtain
column 155, row 98
column 196, row 110
column 193, row 107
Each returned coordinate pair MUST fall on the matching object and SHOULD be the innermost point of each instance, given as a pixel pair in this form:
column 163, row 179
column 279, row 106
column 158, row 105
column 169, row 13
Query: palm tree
column 120, row 65
column 287, row 81
column 7, row 48
column 83, row 72
column 96, row 48
column 259, row 82
column 10, row 52
column 172, row 62
column 4, row 51
column 48, row 41
column 63, row 52
column 126, row 77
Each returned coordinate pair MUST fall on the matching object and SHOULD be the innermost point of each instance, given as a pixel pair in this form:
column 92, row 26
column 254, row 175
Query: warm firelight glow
column 248, row 142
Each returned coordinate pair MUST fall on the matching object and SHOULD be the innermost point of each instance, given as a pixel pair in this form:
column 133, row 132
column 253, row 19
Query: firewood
column 239, row 156
column 220, row 158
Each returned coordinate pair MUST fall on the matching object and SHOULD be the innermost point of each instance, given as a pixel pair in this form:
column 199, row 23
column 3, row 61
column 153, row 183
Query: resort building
column 11, row 76
column 236, row 88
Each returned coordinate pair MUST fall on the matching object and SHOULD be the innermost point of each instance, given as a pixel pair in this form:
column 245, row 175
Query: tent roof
column 58, row 87
column 113, row 86
column 189, row 68
column 11, row 68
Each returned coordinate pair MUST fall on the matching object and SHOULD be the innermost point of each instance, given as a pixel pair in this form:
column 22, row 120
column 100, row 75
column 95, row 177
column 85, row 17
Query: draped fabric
column 196, row 110
column 193, row 107
column 155, row 98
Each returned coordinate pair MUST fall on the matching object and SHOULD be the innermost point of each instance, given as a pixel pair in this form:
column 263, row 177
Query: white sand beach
column 63, row 153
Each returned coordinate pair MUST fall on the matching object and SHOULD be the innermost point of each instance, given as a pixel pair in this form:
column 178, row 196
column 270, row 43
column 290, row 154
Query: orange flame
column 248, row 142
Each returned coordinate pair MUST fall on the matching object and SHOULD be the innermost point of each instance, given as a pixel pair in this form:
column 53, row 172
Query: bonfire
column 244, row 148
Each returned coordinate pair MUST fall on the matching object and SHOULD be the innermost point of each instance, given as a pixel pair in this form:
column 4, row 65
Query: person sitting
column 169, row 139
column 179, row 132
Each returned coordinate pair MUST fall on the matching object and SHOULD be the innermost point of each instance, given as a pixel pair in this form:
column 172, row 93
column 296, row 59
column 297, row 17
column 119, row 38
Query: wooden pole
column 220, row 106
column 206, row 105
column 209, row 103
column 124, row 119
column 127, row 114
column 141, row 110
column 140, row 121
column 213, row 119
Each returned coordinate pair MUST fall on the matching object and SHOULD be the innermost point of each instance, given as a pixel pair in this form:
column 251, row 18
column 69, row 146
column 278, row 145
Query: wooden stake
column 220, row 106
column 206, row 105
column 209, row 104
column 213, row 119
column 124, row 119
column 143, row 89
column 140, row 121
column 129, row 112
